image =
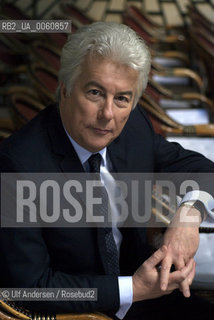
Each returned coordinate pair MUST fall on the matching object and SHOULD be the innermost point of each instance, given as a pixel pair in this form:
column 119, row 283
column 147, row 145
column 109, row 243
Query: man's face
column 100, row 103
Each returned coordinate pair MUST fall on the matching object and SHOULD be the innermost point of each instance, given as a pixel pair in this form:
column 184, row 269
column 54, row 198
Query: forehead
column 107, row 73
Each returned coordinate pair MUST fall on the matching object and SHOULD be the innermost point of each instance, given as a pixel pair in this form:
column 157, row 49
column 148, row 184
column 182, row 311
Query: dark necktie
column 111, row 249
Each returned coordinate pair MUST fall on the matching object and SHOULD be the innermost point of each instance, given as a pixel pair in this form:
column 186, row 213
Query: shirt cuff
column 126, row 296
column 202, row 196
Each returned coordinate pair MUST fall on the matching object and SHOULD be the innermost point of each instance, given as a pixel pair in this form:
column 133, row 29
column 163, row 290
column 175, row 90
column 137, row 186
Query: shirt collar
column 84, row 154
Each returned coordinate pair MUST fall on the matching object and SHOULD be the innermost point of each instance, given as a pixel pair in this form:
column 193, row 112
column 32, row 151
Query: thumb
column 157, row 257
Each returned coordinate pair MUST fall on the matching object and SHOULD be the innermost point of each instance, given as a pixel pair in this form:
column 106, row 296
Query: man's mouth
column 101, row 131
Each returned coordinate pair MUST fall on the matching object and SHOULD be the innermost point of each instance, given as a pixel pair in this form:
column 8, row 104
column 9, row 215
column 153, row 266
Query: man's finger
column 185, row 285
column 156, row 258
column 181, row 275
column 166, row 265
column 165, row 271
column 192, row 274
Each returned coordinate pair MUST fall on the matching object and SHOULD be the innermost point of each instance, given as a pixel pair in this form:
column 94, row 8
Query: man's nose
column 106, row 111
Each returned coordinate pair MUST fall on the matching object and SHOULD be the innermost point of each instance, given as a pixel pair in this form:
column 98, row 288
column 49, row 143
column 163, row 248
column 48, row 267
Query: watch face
column 189, row 203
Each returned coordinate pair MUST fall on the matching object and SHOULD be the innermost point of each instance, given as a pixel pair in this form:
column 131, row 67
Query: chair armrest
column 170, row 39
column 182, row 72
column 155, row 110
column 83, row 316
column 9, row 311
column 206, row 130
column 199, row 97
column 170, row 126
column 171, row 54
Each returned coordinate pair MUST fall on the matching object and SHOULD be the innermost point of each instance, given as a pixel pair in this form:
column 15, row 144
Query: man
column 104, row 69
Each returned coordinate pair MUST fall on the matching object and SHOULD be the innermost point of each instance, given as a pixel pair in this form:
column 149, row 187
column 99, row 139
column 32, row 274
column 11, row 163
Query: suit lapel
column 130, row 152
column 118, row 154
column 61, row 145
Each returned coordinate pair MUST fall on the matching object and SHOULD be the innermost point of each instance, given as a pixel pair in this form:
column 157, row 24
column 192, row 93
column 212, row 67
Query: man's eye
column 95, row 92
column 122, row 98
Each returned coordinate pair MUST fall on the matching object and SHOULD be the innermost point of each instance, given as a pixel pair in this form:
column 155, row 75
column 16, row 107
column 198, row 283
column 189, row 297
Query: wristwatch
column 197, row 204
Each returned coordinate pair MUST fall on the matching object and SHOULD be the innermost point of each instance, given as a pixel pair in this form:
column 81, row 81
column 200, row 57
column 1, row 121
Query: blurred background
column 179, row 97
column 180, row 34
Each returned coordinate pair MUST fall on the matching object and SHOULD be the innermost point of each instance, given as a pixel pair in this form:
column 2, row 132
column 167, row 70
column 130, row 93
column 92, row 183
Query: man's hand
column 182, row 240
column 146, row 280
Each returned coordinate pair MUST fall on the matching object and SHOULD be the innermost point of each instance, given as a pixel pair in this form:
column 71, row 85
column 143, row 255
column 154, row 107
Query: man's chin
column 99, row 145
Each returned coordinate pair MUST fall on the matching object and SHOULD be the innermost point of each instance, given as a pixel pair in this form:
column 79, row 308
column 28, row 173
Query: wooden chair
column 154, row 29
column 58, row 39
column 10, row 311
column 47, row 53
column 169, row 125
column 63, row 16
column 199, row 19
column 157, row 92
column 45, row 81
column 203, row 46
column 161, row 42
column 177, row 73
column 24, row 108
column 12, row 52
column 19, row 89
column 5, row 133
column 7, row 126
column 73, row 12
column 12, row 11
column 160, row 51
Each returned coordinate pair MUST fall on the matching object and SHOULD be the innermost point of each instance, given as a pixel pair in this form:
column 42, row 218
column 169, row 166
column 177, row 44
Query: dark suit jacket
column 73, row 258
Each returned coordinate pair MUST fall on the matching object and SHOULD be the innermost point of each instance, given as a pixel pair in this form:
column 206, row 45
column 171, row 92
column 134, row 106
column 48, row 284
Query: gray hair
column 111, row 40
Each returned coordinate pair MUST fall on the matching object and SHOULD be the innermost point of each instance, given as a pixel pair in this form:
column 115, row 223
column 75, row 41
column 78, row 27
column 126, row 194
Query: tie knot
column 94, row 162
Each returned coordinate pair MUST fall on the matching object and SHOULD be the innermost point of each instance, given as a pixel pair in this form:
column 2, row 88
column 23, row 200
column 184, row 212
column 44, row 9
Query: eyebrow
column 96, row 84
